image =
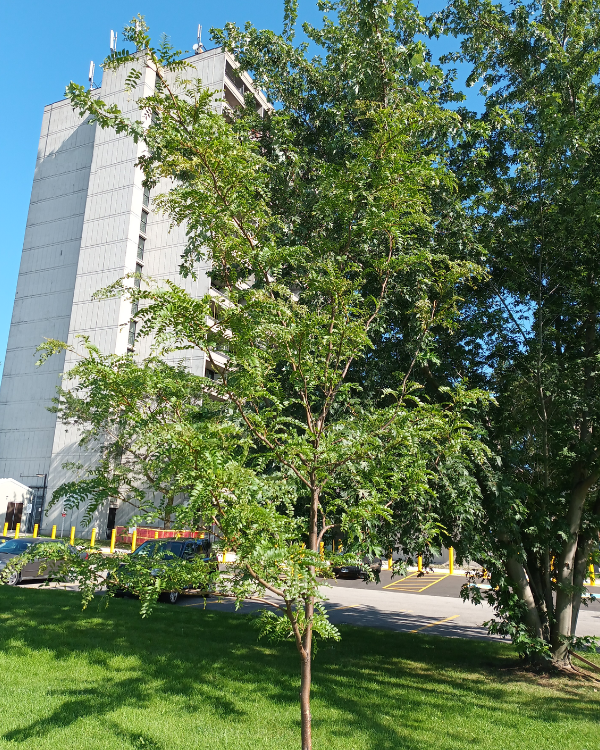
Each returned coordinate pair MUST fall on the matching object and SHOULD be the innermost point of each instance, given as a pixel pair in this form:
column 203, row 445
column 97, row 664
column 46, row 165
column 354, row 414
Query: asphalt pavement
column 429, row 603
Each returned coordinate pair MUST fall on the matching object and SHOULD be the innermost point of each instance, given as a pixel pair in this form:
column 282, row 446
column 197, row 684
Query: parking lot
column 428, row 603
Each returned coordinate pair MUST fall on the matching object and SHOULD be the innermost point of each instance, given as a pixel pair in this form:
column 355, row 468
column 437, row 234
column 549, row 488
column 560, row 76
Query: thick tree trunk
column 537, row 588
column 565, row 576
column 516, row 572
column 581, row 566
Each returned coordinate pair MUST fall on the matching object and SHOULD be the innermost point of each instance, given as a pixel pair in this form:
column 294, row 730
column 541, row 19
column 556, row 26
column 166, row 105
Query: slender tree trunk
column 309, row 609
column 168, row 510
column 305, row 685
column 547, row 579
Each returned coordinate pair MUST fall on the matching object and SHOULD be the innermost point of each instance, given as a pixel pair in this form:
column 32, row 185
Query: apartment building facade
column 90, row 222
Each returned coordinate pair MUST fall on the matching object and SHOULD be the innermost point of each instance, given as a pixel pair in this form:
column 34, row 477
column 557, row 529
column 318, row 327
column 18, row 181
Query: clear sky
column 46, row 45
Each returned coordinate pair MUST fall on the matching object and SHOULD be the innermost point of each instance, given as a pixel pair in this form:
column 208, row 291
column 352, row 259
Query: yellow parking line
column 433, row 582
column 412, row 584
column 395, row 583
column 349, row 606
column 439, row 622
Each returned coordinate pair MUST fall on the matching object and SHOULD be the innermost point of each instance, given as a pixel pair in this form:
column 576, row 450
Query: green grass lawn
column 188, row 678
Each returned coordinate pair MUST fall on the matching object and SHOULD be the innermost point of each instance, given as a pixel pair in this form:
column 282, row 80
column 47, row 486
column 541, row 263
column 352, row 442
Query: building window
column 137, row 279
column 144, row 221
column 131, row 340
column 216, row 377
column 146, row 198
column 141, row 245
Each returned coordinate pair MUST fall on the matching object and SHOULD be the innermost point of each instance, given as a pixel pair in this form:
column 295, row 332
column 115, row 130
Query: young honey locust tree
column 308, row 217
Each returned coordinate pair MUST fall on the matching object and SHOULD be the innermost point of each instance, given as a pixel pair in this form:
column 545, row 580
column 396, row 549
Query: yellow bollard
column 156, row 534
column 420, row 564
column 390, row 563
column 133, row 540
column 72, row 537
column 35, row 531
column 340, row 547
column 592, row 575
column 17, row 530
column 113, row 539
column 224, row 556
column 451, row 560
column 322, row 550
column 93, row 539
column 53, row 534
column 5, row 530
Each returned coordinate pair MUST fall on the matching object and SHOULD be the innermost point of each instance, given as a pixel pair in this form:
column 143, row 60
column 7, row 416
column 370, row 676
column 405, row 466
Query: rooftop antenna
column 113, row 41
column 91, row 74
column 198, row 48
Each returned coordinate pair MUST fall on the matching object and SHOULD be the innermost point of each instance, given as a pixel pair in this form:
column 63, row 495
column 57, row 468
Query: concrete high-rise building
column 90, row 223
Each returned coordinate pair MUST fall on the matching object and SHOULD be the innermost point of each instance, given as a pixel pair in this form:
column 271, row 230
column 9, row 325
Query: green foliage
column 318, row 221
column 528, row 171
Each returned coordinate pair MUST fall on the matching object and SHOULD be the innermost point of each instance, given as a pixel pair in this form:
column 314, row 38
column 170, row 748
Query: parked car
column 161, row 550
column 15, row 547
column 355, row 571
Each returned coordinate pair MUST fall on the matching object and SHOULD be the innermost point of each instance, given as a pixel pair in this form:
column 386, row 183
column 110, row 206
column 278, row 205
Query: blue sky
column 46, row 45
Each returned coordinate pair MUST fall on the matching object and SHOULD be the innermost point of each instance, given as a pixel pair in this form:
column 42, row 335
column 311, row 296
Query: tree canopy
column 317, row 220
column 529, row 179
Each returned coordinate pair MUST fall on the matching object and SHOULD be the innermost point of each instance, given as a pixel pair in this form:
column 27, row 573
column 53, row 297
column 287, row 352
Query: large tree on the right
column 530, row 174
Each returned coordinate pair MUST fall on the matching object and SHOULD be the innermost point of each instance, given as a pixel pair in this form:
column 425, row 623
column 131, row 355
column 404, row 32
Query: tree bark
column 547, row 580
column 305, row 685
column 309, row 609
column 537, row 589
column 581, row 565
column 168, row 511
column 565, row 575
column 516, row 572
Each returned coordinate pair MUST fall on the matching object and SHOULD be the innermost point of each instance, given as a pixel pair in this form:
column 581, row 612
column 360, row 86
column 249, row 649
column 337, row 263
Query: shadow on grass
column 378, row 684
